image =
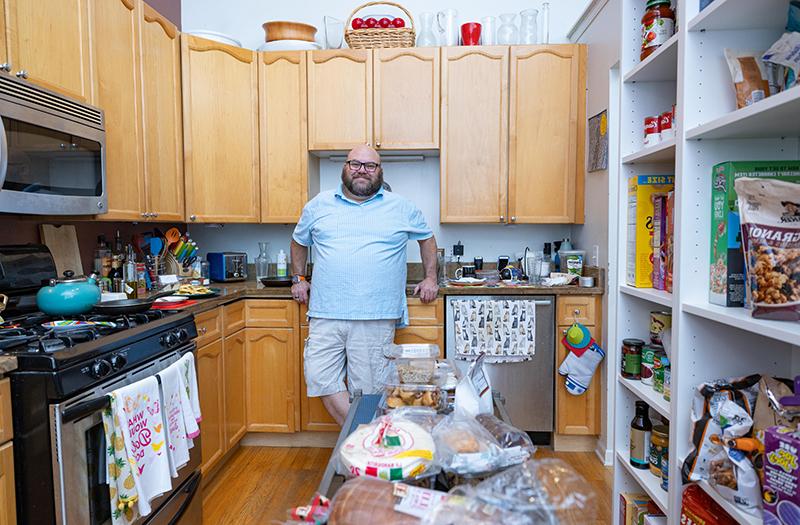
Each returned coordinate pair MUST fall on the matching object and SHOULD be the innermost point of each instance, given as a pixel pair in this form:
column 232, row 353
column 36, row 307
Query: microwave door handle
column 3, row 154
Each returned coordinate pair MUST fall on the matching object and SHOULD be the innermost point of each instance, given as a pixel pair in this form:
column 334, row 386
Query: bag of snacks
column 770, row 221
column 516, row 444
column 698, row 507
column 370, row 500
column 464, row 447
column 749, row 76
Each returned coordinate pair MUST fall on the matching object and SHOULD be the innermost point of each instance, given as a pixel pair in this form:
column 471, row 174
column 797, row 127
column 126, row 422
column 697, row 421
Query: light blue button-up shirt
column 360, row 254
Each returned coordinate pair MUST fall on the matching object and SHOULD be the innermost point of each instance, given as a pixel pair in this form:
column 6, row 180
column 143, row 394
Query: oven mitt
column 581, row 361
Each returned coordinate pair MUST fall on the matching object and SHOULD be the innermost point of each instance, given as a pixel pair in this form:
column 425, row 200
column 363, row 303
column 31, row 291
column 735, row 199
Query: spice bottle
column 631, row 366
column 641, row 427
column 658, row 25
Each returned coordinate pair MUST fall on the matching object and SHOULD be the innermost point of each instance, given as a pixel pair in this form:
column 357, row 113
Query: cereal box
column 639, row 265
column 659, row 240
column 669, row 241
column 781, row 474
column 629, row 502
column 727, row 270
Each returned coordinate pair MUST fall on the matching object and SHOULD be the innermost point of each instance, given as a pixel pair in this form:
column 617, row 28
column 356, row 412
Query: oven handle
column 192, row 489
column 84, row 409
column 3, row 154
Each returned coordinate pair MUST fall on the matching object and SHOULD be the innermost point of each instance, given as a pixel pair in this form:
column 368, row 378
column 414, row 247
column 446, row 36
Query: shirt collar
column 340, row 194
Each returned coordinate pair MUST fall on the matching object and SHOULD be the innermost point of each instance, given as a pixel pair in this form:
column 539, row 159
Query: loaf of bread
column 367, row 501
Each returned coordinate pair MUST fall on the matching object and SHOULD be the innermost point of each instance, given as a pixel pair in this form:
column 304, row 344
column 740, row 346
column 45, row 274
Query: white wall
column 242, row 19
column 415, row 180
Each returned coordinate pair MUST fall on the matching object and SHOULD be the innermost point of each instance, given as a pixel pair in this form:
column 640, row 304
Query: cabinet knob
column 192, row 217
column 576, row 312
column 154, row 214
column 6, row 66
column 203, row 330
column 22, row 74
column 144, row 214
column 378, row 144
column 502, row 218
column 564, row 331
column 513, row 219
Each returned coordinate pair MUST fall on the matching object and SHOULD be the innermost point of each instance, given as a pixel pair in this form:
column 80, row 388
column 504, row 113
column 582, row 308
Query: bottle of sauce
column 641, row 427
column 658, row 25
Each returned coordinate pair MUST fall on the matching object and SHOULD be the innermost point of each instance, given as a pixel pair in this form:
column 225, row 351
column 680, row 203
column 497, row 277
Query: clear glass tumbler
column 262, row 261
column 529, row 26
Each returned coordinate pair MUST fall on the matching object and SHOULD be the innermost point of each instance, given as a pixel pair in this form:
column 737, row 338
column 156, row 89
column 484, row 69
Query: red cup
column 470, row 34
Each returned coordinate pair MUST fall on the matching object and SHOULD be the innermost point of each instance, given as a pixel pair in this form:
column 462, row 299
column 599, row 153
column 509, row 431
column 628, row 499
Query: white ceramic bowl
column 217, row 37
column 289, row 45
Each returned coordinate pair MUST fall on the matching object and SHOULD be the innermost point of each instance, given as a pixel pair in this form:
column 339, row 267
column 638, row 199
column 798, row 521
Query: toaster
column 227, row 266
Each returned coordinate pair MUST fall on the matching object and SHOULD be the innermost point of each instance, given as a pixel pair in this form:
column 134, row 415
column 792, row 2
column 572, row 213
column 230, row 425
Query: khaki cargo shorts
column 338, row 349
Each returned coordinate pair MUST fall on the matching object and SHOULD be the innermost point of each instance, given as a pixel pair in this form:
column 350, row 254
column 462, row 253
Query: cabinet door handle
column 513, row 219
column 577, row 312
column 377, row 144
column 6, row 66
column 144, row 214
column 154, row 214
column 192, row 217
column 564, row 331
column 502, row 218
column 22, row 74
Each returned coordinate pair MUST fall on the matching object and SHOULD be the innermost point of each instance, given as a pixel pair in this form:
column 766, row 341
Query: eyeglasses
column 355, row 165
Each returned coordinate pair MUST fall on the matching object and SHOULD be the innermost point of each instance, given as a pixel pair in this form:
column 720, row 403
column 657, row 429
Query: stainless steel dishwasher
column 526, row 385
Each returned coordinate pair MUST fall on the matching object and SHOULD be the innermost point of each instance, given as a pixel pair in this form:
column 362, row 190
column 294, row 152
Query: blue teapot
column 68, row 296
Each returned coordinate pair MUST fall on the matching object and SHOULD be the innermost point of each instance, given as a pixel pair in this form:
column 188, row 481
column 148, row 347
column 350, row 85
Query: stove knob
column 183, row 335
column 170, row 339
column 118, row 362
column 100, row 368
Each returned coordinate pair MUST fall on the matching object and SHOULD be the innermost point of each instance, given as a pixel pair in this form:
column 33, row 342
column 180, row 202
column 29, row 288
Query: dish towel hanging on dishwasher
column 504, row 330
column 181, row 424
column 138, row 416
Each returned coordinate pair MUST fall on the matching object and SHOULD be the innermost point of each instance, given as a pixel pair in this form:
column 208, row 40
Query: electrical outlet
column 458, row 249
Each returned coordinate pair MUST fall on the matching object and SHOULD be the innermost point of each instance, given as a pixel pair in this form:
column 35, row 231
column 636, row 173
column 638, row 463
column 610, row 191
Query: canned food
column 631, row 366
column 659, row 322
column 652, row 135
column 648, row 362
column 660, row 365
column 667, row 383
column 659, row 443
column 665, row 125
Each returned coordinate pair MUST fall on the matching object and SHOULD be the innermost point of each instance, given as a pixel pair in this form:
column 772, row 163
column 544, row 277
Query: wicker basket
column 378, row 37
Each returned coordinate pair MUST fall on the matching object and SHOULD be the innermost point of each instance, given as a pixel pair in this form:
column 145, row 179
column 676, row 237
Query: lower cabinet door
column 209, row 383
column 8, row 505
column 576, row 415
column 235, row 425
column 421, row 335
column 313, row 414
column 272, row 380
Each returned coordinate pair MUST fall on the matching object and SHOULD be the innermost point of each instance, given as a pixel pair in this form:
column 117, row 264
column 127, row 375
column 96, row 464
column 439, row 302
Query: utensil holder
column 172, row 266
column 379, row 37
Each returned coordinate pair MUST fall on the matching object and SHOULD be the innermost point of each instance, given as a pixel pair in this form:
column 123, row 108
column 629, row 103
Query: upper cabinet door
column 163, row 125
column 284, row 139
column 49, row 41
column 339, row 99
column 474, row 150
column 407, row 98
column 548, row 105
column 115, row 51
column 220, row 131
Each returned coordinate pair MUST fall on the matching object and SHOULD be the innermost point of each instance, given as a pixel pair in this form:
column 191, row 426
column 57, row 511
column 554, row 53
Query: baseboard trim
column 605, row 455
column 567, row 443
column 296, row 439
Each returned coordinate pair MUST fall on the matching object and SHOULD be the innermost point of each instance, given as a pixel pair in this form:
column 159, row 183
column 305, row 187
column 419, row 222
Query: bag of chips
column 749, row 76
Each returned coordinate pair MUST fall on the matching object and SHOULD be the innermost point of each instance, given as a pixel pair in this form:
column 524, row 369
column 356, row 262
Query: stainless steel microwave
column 52, row 152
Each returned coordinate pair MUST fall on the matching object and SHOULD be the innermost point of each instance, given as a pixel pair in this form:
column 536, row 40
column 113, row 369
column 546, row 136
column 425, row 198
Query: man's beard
column 362, row 191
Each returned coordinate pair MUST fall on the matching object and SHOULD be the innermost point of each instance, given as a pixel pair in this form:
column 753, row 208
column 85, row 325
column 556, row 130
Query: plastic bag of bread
column 545, row 490
column 391, row 447
column 465, row 447
column 460, row 509
column 366, row 501
column 516, row 444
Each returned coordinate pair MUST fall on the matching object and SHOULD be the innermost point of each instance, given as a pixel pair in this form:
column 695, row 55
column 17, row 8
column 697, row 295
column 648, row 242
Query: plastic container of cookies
column 396, row 395
column 414, row 363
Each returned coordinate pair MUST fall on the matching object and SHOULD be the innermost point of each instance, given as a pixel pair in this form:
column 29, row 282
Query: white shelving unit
column 708, row 342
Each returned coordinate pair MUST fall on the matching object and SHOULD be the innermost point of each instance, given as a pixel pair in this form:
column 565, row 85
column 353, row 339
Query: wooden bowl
column 288, row 31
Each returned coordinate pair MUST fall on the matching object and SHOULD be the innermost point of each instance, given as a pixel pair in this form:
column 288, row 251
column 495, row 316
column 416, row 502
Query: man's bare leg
column 337, row 405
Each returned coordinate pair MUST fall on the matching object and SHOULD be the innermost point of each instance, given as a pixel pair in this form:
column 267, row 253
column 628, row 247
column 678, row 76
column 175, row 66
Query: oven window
column 96, row 471
column 49, row 162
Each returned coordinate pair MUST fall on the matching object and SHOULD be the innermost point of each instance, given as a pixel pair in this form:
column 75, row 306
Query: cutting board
column 63, row 244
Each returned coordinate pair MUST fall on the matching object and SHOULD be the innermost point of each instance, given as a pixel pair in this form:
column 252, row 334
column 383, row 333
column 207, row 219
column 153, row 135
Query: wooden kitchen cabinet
column 209, row 326
column 270, row 313
column 339, row 99
column 234, row 364
column 421, row 335
column 313, row 414
column 6, row 428
column 547, row 121
column 284, row 135
column 115, row 51
column 474, row 134
column 8, row 505
column 210, row 377
column 220, row 125
column 407, row 90
column 233, row 315
column 48, row 40
column 160, row 56
column 272, row 380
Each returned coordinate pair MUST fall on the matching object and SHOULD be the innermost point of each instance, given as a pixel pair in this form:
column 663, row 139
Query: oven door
column 79, row 453
column 50, row 165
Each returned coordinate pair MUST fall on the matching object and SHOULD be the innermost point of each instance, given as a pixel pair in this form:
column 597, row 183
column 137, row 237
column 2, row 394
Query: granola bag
column 770, row 222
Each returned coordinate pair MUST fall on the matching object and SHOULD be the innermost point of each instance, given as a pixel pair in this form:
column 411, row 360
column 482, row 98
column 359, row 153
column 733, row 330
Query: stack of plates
column 289, row 45
column 217, row 37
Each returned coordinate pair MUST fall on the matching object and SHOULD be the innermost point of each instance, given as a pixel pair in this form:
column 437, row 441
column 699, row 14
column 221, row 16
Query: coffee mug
column 502, row 262
column 470, row 34
column 478, row 261
column 468, row 270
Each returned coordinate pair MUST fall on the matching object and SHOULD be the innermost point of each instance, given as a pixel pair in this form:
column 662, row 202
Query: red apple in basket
column 357, row 23
column 398, row 23
column 371, row 22
column 384, row 22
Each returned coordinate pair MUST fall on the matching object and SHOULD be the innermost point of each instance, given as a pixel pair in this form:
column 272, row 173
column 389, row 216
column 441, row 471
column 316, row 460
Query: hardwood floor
column 259, row 484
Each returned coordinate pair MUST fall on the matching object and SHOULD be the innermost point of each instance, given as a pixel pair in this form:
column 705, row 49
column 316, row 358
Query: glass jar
column 262, row 261
column 632, row 358
column 658, row 25
column 659, row 445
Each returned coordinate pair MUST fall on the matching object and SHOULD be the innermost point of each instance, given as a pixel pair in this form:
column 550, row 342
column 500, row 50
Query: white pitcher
column 447, row 21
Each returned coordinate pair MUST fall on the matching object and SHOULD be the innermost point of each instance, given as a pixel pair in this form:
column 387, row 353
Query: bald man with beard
column 357, row 296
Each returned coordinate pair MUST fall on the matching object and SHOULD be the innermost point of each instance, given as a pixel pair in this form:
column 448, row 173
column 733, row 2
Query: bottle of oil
column 640, row 437
column 131, row 278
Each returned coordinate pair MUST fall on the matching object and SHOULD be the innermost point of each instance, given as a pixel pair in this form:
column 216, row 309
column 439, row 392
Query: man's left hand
column 427, row 290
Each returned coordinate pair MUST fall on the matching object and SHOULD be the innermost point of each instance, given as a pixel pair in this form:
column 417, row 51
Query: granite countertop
column 7, row 364
column 230, row 292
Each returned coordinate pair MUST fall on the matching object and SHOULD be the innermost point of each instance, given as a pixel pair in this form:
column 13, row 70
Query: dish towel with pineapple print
column 504, row 330
column 121, row 485
column 190, row 380
column 181, row 424
column 141, row 423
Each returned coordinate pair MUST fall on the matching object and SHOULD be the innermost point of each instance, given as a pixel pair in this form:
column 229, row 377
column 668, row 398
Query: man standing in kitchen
column 358, row 293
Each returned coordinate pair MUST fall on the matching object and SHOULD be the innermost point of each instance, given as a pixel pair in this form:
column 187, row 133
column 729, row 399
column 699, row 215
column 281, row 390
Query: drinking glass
column 507, row 33
column 426, row 37
column 334, row 32
column 546, row 22
column 528, row 26
column 488, row 33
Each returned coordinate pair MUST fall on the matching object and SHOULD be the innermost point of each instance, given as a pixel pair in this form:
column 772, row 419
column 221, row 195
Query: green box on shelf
column 727, row 270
